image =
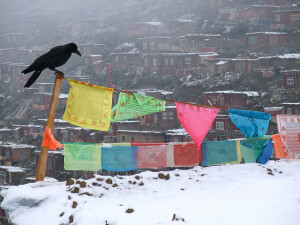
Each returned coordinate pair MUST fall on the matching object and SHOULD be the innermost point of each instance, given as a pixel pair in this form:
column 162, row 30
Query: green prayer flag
column 82, row 156
column 132, row 105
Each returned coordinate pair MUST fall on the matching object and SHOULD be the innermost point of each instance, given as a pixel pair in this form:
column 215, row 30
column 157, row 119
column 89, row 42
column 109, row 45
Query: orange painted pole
column 42, row 165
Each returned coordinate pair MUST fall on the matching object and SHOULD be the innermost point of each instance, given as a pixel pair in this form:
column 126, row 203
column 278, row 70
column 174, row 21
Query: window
column 152, row 45
column 124, row 59
column 214, row 101
column 65, row 135
column 116, row 58
column 147, row 139
column 123, row 138
column 155, row 118
column 7, row 154
column 171, row 61
column 187, row 60
column 290, row 81
column 277, row 17
column 154, row 62
column 132, row 138
column 86, row 134
column 145, row 45
column 146, row 62
column 49, row 163
column 165, row 116
column 220, row 125
column 182, row 42
column 253, row 40
column 166, row 62
column 237, row 101
column 171, row 115
column 289, row 111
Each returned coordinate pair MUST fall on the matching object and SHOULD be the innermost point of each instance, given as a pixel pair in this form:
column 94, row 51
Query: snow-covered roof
column 201, row 35
column 61, row 95
column 15, row 145
column 5, row 129
column 221, row 62
column 248, row 93
column 141, row 131
column 270, row 109
column 290, row 103
column 13, row 169
column 174, row 132
column 163, row 92
column 155, row 37
column 55, row 120
column 267, row 33
column 150, row 23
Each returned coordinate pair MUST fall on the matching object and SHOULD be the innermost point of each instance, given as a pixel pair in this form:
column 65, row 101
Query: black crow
column 56, row 57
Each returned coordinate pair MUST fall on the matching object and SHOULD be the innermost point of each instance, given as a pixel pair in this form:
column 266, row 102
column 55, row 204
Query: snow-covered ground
column 243, row 194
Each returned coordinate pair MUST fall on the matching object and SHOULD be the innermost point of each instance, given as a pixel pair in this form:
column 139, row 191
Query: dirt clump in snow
column 129, row 210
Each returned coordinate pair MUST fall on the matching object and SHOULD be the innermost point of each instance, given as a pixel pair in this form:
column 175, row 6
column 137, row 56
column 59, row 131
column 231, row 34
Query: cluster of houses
column 172, row 47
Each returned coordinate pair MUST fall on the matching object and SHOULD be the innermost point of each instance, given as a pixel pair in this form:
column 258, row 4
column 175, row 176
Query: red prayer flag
column 186, row 155
column 49, row 140
column 196, row 120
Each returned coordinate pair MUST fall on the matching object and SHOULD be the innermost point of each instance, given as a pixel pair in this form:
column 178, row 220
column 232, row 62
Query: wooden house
column 5, row 134
column 274, row 111
column 143, row 29
column 266, row 39
column 178, row 135
column 140, row 136
column 230, row 99
column 197, row 42
column 13, row 154
column 55, row 160
column 154, row 44
column 291, row 78
column 179, row 26
column 258, row 11
column 125, row 59
column 223, row 129
column 291, row 108
column 282, row 18
column 11, row 175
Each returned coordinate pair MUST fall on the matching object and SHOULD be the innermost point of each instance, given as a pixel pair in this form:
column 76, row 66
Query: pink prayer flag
column 196, row 120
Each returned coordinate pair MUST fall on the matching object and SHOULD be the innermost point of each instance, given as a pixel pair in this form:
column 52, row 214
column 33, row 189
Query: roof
column 248, row 93
column 15, row 145
column 267, row 33
column 163, row 92
column 174, row 132
column 272, row 109
column 141, row 131
column 13, row 169
column 221, row 62
column 288, row 103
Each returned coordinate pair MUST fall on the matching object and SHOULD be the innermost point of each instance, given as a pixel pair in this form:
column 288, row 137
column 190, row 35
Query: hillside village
column 241, row 54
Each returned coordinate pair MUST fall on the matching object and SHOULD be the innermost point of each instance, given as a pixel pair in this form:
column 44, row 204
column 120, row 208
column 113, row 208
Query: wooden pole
column 42, row 165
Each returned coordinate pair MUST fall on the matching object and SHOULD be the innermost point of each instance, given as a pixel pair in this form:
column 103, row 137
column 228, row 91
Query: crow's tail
column 32, row 79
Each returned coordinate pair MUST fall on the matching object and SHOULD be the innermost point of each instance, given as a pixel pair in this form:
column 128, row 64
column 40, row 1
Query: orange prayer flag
column 280, row 150
column 50, row 141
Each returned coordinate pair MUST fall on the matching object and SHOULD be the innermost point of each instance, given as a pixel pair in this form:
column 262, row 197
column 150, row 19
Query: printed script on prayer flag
column 289, row 130
column 196, row 120
column 89, row 106
column 133, row 105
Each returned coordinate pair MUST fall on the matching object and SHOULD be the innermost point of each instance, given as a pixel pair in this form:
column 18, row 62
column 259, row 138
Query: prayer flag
column 82, row 156
column 89, row 106
column 186, row 154
column 289, row 130
column 132, row 105
column 151, row 155
column 250, row 123
column 280, row 149
column 49, row 140
column 252, row 148
column 196, row 120
column 266, row 154
column 118, row 157
column 220, row 152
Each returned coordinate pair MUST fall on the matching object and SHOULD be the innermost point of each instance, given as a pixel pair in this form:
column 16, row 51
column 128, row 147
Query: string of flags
column 90, row 106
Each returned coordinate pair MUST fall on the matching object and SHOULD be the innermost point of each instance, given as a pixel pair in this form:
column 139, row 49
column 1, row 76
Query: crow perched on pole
column 56, row 57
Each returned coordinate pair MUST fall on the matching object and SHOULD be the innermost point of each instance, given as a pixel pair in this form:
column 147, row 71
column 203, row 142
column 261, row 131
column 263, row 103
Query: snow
column 140, row 131
column 181, row 131
column 248, row 93
column 229, row 195
column 14, row 145
column 13, row 169
column 221, row 63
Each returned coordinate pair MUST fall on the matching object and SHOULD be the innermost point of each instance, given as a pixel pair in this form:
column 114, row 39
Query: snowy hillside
column 230, row 194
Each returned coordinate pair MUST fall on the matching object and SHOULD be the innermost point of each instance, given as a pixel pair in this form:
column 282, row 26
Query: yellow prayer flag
column 89, row 106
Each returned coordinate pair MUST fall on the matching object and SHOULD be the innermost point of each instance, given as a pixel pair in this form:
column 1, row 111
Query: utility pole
column 42, row 165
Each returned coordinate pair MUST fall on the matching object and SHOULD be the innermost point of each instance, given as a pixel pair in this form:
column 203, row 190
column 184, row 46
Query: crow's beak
column 77, row 52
